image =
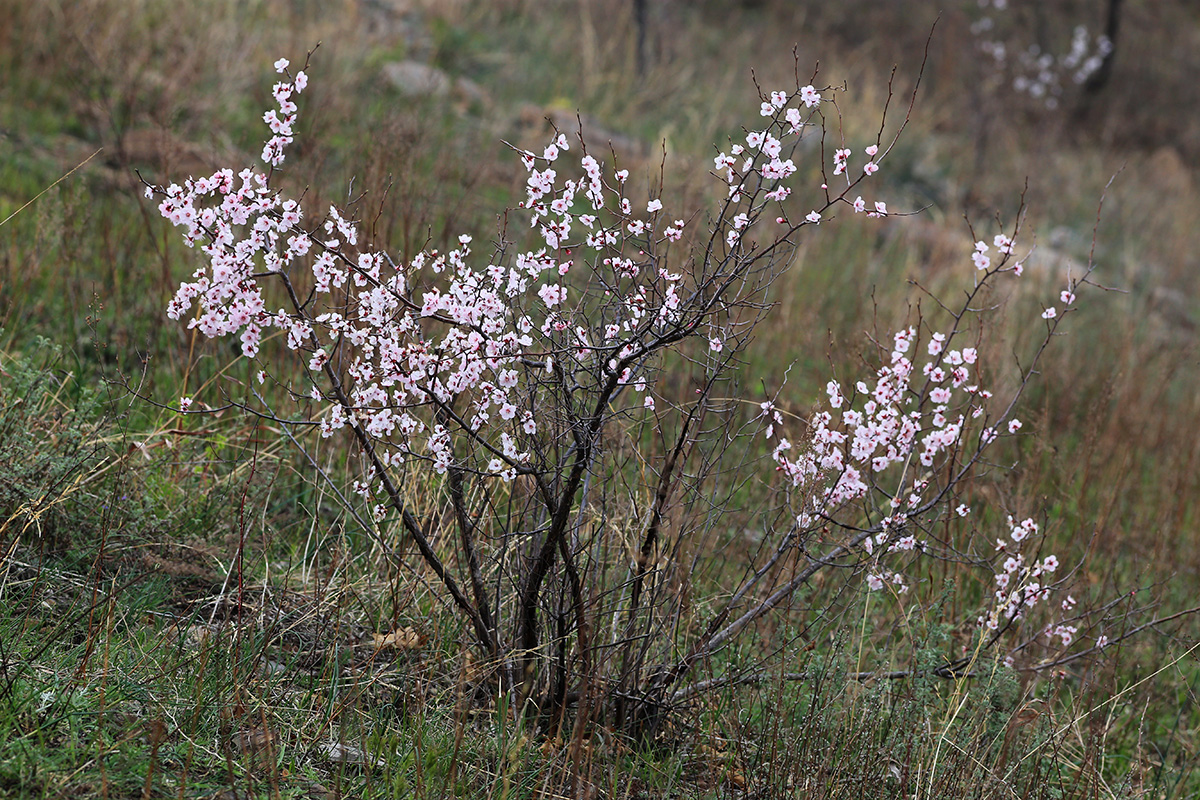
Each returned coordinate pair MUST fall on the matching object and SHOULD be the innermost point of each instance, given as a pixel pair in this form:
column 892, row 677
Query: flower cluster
column 881, row 457
column 244, row 227
column 889, row 423
column 1034, row 72
column 1021, row 583
column 401, row 344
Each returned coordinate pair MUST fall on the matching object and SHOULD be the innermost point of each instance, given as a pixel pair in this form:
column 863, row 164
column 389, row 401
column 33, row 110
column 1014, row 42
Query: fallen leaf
column 254, row 740
column 346, row 754
column 408, row 638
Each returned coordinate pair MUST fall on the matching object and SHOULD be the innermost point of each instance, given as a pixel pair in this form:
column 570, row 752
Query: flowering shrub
column 1042, row 75
column 506, row 382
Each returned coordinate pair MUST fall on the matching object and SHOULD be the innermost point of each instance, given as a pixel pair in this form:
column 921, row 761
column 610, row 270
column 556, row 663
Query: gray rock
column 414, row 79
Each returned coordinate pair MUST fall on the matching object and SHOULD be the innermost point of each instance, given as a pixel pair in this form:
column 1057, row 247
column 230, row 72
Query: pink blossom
column 1066, row 633
column 552, row 295
column 778, row 170
column 835, row 394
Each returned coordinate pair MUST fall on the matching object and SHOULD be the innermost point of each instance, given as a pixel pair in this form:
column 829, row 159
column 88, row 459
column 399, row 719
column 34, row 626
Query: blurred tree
column 1100, row 78
column 640, row 24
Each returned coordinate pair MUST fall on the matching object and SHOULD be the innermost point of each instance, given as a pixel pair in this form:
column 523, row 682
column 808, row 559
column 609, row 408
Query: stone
column 414, row 79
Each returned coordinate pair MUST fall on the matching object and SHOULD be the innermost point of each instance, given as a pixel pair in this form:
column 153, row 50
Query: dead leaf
column 156, row 731
column 254, row 740
column 197, row 635
column 408, row 638
column 1028, row 714
column 346, row 754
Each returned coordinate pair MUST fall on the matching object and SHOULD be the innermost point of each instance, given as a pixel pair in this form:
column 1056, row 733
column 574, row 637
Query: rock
column 163, row 153
column 469, row 92
column 1055, row 265
column 392, row 19
column 536, row 121
column 414, row 79
column 340, row 753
